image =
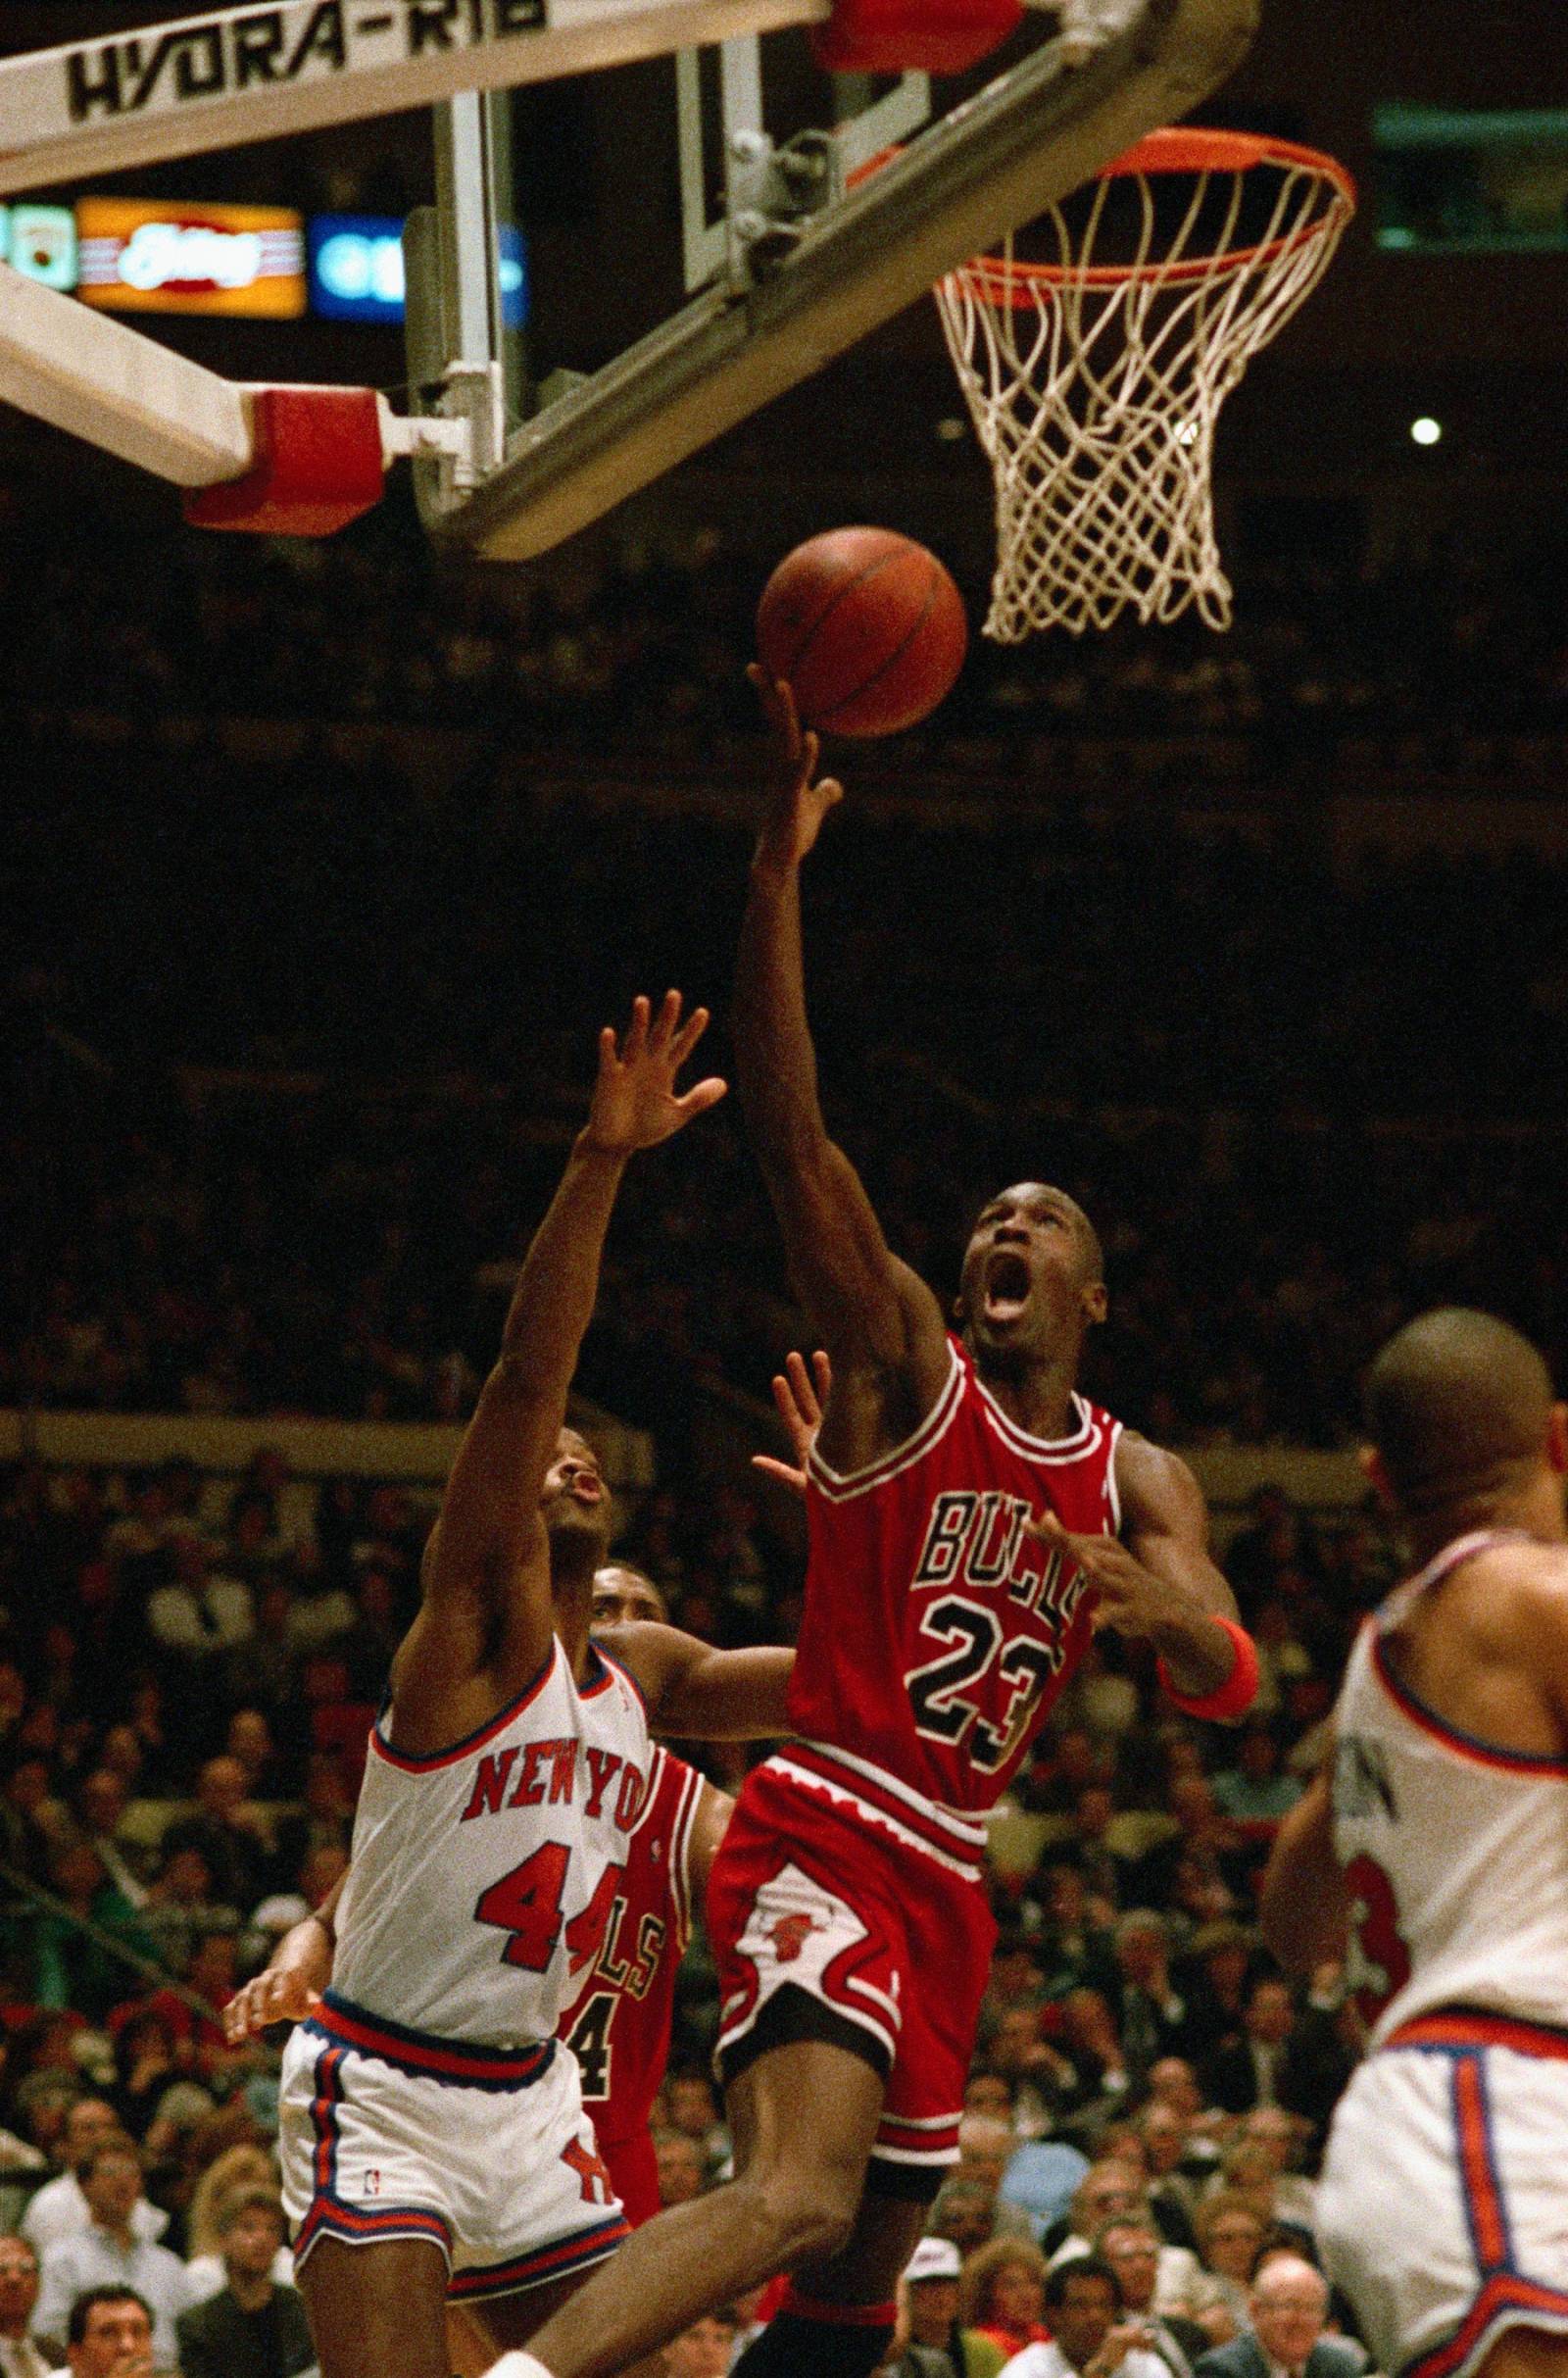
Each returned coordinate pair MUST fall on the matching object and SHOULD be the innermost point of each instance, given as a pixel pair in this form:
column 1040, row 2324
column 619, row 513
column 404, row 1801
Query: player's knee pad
column 811, row 2340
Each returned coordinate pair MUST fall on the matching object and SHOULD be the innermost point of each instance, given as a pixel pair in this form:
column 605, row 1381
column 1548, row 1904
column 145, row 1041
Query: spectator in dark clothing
column 253, row 2328
column 1249, row 2071
column 225, row 1833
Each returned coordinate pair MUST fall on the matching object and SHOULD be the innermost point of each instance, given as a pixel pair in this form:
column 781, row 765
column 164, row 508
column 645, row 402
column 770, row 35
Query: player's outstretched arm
column 1157, row 1581
column 1303, row 1906
column 487, row 1555
column 696, row 1693
column 870, row 1311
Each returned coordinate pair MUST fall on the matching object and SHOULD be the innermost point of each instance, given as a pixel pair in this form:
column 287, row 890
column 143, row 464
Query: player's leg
column 378, row 2312
column 838, row 2315
column 508, row 2321
column 804, row 2116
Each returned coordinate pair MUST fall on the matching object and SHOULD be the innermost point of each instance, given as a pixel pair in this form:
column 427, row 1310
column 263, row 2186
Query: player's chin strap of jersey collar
column 1231, row 1699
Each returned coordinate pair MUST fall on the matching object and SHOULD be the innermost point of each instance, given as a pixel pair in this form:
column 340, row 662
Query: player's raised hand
column 798, row 800
column 281, row 1994
column 800, row 1395
column 636, row 1102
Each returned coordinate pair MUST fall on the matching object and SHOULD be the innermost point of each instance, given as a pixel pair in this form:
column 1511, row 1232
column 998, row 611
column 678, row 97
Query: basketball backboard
column 789, row 252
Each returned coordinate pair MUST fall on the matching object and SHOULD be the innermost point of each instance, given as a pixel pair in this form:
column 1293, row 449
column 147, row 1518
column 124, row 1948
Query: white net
column 1094, row 376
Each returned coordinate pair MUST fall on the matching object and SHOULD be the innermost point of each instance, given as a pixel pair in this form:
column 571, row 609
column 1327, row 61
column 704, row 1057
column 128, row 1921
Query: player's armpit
column 694, row 1691
column 1302, row 1908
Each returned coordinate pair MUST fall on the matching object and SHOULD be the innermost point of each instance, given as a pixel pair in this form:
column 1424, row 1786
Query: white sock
column 516, row 2365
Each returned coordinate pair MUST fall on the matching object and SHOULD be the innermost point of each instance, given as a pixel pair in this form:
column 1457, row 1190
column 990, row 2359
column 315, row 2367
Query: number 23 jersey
column 484, row 1875
column 937, row 1634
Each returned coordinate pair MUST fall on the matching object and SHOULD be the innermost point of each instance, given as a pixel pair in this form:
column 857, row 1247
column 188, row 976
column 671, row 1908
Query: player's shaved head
column 1457, row 1403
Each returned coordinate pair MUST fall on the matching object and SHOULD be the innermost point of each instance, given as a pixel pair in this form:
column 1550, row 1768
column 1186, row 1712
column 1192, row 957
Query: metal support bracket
column 774, row 195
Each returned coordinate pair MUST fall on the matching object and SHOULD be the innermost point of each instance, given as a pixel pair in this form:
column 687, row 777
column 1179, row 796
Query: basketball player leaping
column 431, row 2131
column 965, row 1507
column 1437, row 1836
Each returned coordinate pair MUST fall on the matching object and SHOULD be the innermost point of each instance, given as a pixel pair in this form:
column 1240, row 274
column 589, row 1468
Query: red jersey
column 618, row 2026
column 936, row 1635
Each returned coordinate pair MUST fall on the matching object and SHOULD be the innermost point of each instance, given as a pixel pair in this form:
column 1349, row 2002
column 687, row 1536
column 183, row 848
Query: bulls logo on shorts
column 790, row 1936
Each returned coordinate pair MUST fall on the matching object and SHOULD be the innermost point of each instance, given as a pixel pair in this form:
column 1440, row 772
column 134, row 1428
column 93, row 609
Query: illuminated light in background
column 1425, row 431
column 41, row 243
column 356, row 269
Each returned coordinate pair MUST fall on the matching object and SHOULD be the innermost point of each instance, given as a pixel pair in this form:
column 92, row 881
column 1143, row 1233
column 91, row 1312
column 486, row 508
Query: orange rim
column 1178, row 149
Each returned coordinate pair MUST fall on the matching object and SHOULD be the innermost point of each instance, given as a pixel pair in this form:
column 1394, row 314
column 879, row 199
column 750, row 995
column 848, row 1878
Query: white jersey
column 484, row 1875
column 1456, row 1852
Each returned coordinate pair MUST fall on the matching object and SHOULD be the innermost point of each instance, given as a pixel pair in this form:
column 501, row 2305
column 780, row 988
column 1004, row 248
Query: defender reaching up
column 431, row 2132
column 965, row 1504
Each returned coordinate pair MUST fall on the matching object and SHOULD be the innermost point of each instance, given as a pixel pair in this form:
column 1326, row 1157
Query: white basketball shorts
column 1442, row 2210
column 390, row 2133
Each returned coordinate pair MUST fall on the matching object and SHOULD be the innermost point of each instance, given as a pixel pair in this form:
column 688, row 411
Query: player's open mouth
column 1008, row 1287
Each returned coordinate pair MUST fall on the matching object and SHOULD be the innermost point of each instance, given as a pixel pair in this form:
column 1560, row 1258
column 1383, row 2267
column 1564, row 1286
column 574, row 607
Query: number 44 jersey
column 484, row 1874
column 938, row 1632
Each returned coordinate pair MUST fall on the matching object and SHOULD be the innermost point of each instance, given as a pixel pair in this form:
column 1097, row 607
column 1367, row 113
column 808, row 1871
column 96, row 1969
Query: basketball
column 868, row 628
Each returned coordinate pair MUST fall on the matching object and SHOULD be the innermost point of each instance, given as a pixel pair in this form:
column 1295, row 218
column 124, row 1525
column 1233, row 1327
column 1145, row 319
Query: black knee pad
column 792, row 2347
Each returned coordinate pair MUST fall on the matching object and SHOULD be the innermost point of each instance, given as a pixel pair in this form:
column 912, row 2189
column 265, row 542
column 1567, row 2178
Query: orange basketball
column 868, row 628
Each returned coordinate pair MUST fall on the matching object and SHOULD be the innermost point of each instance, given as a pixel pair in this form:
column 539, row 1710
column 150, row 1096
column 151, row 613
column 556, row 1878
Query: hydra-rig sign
column 255, row 47
column 249, row 73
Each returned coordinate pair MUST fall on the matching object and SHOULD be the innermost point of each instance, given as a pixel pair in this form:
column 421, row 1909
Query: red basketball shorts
column 837, row 1882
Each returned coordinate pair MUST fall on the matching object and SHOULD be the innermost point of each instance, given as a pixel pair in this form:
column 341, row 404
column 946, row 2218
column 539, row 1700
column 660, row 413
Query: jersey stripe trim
column 961, row 1828
column 1466, row 1746
column 612, row 1667
column 1084, row 1439
column 588, row 2246
column 468, row 2062
column 1113, row 1490
column 413, row 1762
column 1453, row 2029
column 882, row 1815
column 682, row 1882
column 842, row 1486
column 1505, row 2300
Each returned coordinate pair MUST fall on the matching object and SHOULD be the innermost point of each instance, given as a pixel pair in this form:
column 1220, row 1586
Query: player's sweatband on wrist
column 1234, row 1695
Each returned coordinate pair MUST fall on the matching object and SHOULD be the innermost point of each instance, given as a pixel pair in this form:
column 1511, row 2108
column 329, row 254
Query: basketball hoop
column 1095, row 374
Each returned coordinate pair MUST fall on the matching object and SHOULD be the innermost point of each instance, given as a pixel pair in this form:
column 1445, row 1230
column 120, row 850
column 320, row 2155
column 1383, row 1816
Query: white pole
column 104, row 381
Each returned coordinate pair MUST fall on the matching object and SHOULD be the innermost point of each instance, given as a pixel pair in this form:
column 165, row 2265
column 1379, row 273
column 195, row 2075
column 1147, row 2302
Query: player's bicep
column 694, row 1691
column 1166, row 1523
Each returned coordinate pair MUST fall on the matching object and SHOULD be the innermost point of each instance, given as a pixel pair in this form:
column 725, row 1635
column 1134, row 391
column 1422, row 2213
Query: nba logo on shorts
column 372, row 2183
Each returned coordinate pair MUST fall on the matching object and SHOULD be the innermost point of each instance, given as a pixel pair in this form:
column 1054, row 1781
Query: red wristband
column 1236, row 1695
